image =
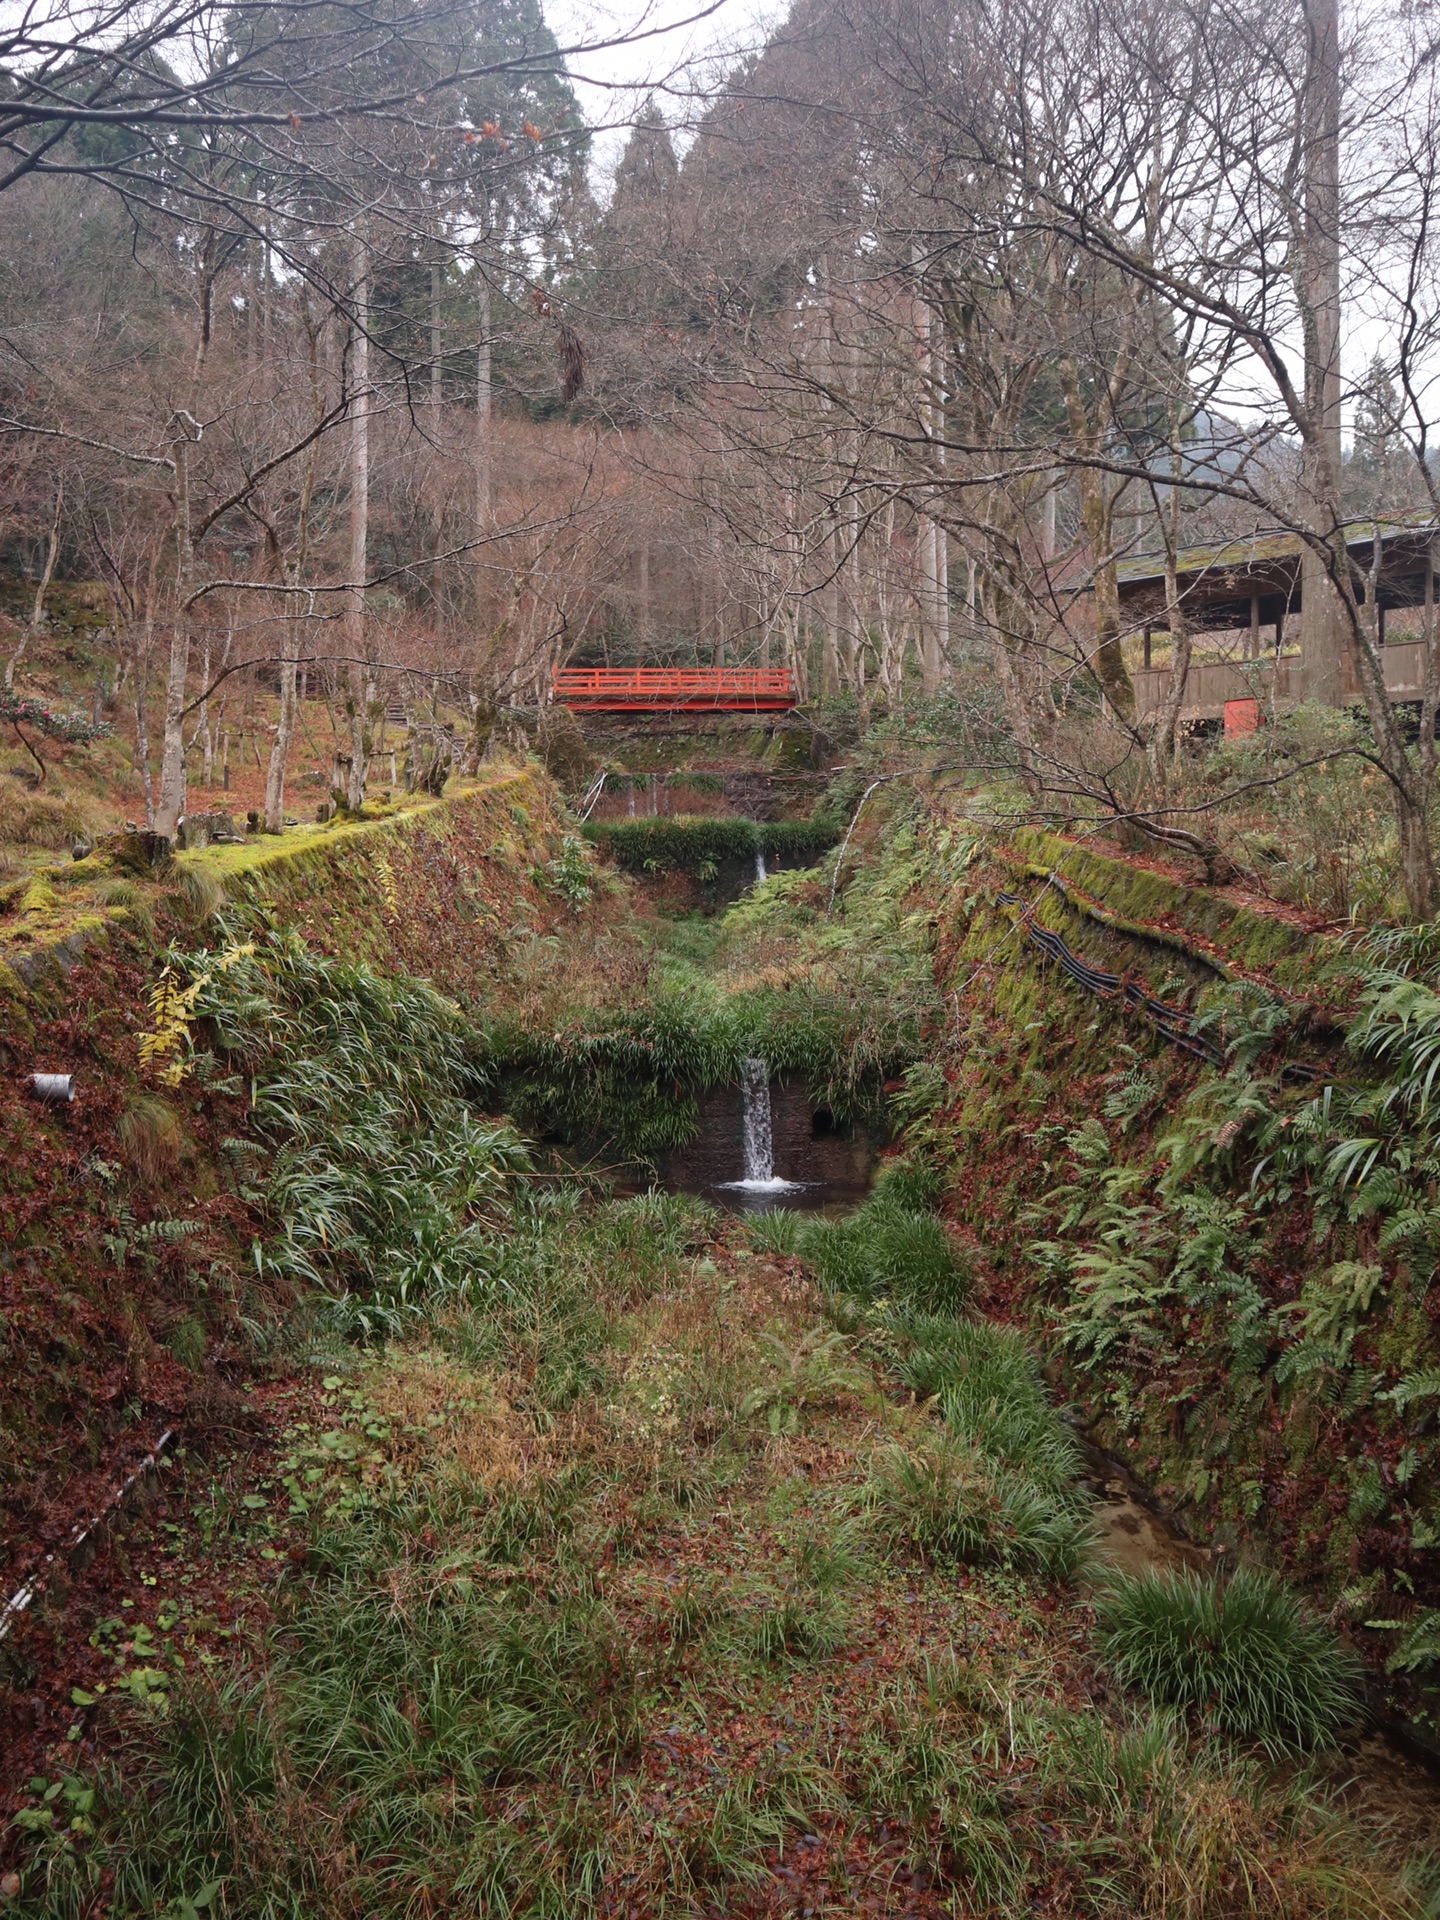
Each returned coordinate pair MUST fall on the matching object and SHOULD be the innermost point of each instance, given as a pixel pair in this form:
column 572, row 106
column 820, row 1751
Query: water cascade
column 756, row 1131
column 759, row 1141
column 760, row 874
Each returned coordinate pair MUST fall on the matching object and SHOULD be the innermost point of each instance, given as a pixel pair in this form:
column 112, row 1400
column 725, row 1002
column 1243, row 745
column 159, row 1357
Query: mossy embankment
column 1226, row 1246
column 597, row 1555
column 127, row 1268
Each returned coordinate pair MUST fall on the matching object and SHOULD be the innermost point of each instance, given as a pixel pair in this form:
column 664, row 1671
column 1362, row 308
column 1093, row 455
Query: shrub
column 1244, row 1653
column 943, row 1499
column 691, row 845
column 888, row 1250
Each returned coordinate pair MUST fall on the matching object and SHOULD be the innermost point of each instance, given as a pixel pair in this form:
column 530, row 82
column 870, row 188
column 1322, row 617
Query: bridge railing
column 672, row 689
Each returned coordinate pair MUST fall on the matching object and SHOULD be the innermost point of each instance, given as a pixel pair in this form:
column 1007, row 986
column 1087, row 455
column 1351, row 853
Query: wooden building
column 1250, row 592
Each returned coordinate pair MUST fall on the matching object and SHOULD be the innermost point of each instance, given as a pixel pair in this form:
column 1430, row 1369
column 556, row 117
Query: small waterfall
column 759, row 1142
column 760, row 874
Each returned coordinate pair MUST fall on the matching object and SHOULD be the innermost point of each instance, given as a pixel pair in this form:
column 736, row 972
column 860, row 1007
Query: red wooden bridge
column 675, row 689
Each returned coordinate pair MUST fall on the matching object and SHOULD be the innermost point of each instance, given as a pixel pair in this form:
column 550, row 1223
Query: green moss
column 690, row 845
column 1234, row 935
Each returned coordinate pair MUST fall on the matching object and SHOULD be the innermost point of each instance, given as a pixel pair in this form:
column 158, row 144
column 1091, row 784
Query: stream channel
column 748, row 1134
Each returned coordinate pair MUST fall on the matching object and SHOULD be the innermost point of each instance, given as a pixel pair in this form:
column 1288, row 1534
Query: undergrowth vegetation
column 382, row 1180
column 1242, row 1653
column 729, row 1602
column 635, row 1560
column 836, row 1000
column 701, row 847
column 1262, row 1258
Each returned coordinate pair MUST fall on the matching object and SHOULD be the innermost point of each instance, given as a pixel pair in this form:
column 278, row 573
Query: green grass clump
column 779, row 1231
column 912, row 1183
column 889, row 1251
column 1244, row 1653
column 1000, row 1485
column 993, row 1397
column 384, row 1183
column 942, row 1500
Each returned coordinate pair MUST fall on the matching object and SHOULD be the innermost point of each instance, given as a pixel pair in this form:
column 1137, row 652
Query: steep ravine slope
column 566, row 1554
column 126, row 1263
column 1219, row 1221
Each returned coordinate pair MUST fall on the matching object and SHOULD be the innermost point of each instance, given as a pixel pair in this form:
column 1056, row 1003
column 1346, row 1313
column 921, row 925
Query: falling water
column 760, row 874
column 759, row 1142
column 758, row 1139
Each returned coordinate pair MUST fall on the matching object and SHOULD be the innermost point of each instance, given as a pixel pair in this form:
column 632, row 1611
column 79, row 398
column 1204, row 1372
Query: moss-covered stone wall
column 1061, row 1118
column 125, row 1236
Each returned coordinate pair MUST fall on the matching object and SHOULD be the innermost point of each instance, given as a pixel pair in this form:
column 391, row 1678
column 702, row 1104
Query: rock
column 199, row 829
column 140, row 852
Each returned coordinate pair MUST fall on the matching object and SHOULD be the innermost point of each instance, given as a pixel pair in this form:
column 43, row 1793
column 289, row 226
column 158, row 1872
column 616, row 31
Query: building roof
column 1265, row 548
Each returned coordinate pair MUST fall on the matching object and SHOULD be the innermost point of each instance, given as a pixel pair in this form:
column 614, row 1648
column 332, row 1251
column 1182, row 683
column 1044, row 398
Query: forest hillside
column 719, row 982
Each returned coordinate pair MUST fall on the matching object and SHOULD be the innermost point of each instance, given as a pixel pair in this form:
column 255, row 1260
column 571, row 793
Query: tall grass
column 888, row 1250
column 536, row 1301
column 1244, row 1654
column 1001, row 1484
column 993, row 1397
column 945, row 1500
column 357, row 1772
column 384, row 1183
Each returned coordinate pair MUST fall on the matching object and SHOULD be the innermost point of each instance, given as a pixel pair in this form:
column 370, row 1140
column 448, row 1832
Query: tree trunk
column 359, row 533
column 1328, row 672
column 1417, row 859
column 932, row 544
column 172, row 757
column 202, row 730
column 435, row 337
column 1018, row 706
column 141, row 663
column 1162, row 745
column 37, row 612
column 1097, row 515
column 280, row 752
column 484, row 399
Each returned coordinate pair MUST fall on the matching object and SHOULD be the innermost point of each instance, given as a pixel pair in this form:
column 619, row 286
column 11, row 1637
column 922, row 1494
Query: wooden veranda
column 1250, row 590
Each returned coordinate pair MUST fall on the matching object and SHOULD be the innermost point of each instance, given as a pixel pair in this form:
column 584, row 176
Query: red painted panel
column 1241, row 717
column 675, row 689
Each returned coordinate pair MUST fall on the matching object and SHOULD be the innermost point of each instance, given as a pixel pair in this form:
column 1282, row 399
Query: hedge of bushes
column 700, row 846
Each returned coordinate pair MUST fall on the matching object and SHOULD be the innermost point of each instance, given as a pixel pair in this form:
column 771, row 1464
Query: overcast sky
column 668, row 50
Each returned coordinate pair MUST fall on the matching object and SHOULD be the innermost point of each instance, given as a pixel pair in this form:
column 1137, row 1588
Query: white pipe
column 24, row 1596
